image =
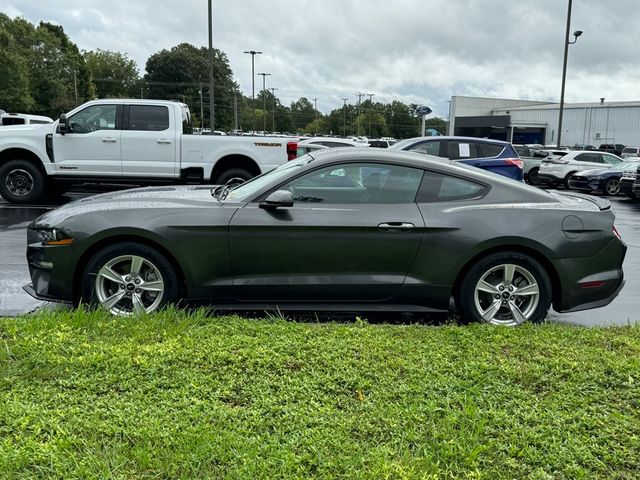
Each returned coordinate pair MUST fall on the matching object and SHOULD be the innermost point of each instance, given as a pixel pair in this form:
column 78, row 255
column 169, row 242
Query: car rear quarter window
column 154, row 118
column 438, row 187
column 490, row 149
column 429, row 148
column 459, row 150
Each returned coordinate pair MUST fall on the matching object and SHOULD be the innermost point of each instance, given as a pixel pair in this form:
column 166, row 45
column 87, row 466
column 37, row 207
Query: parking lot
column 14, row 301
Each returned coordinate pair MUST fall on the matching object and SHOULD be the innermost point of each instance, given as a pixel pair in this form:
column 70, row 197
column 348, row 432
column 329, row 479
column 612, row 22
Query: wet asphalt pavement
column 623, row 310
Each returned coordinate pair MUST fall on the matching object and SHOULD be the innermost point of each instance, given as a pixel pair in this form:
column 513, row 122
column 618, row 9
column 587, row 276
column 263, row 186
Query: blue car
column 602, row 180
column 491, row 155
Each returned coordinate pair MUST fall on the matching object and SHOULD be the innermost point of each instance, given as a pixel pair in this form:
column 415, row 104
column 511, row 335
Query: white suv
column 558, row 170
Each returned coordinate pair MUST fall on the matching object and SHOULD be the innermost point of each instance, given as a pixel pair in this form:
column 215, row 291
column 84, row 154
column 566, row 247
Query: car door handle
column 109, row 140
column 396, row 226
column 164, row 140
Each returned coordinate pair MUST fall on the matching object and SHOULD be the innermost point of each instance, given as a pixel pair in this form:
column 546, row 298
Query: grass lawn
column 177, row 395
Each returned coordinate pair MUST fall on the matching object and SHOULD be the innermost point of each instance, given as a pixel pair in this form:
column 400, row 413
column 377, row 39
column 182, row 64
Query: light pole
column 370, row 95
column 253, row 86
column 576, row 34
column 344, row 118
column 273, row 119
column 315, row 108
column 264, row 102
column 211, row 104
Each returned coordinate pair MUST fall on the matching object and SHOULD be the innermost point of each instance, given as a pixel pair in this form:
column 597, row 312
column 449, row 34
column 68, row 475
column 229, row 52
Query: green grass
column 177, row 395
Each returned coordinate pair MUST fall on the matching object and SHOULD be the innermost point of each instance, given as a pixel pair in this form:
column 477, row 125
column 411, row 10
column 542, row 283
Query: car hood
column 137, row 198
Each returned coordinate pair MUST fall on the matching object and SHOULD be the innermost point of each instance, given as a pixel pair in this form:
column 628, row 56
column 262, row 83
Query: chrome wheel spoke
column 485, row 286
column 509, row 270
column 108, row 273
column 489, row 314
column 113, row 300
column 153, row 286
column 518, row 316
column 136, row 265
column 138, row 306
column 531, row 289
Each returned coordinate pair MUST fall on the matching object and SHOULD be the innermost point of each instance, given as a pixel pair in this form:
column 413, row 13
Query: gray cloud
column 411, row 50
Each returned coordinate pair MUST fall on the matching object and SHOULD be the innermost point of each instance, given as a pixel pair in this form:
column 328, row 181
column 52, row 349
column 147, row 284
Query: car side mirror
column 63, row 124
column 279, row 198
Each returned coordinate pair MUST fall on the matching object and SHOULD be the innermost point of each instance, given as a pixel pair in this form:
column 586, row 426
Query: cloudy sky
column 418, row 51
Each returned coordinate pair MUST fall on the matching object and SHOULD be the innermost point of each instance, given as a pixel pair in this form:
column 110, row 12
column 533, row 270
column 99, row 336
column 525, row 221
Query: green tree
column 402, row 121
column 302, row 113
column 181, row 73
column 113, row 73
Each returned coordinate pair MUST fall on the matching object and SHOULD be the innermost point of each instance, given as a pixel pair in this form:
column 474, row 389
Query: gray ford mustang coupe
column 353, row 229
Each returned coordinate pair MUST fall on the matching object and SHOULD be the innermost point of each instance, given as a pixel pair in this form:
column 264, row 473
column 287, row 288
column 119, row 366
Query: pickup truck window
column 93, row 118
column 152, row 118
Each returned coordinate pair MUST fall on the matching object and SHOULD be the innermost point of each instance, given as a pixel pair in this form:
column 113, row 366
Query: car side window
column 438, row 187
column 94, row 118
column 153, row 118
column 490, row 150
column 589, row 157
column 357, row 183
column 429, row 148
column 457, row 150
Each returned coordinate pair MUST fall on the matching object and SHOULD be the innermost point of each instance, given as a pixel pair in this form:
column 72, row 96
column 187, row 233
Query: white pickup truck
column 137, row 142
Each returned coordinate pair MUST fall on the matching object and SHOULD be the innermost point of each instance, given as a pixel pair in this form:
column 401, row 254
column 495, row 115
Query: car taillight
column 616, row 233
column 514, row 161
column 292, row 150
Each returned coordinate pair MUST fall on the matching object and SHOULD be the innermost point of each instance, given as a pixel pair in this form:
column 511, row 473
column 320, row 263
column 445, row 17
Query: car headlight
column 53, row 236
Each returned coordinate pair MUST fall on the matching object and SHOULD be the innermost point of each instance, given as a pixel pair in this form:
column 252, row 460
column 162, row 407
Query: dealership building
column 527, row 121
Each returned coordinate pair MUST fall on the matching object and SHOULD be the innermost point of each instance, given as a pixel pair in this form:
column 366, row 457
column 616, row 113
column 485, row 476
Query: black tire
column 612, row 187
column 532, row 177
column 566, row 179
column 21, row 181
column 239, row 174
column 90, row 290
column 466, row 298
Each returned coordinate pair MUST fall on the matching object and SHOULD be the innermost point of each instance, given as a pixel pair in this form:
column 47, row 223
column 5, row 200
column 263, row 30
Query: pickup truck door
column 149, row 142
column 92, row 146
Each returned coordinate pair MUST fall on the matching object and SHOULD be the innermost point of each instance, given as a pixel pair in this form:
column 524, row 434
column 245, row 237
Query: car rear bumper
column 591, row 282
column 626, row 186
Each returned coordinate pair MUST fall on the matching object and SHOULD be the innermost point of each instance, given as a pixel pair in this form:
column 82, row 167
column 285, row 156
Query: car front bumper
column 586, row 184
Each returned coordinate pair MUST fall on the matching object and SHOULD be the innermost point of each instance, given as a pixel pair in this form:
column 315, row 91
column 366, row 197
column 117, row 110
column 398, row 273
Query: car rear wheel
column 533, row 177
column 129, row 279
column 612, row 186
column 505, row 289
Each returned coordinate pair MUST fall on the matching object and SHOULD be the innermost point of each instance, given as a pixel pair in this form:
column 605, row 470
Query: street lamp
column 253, row 86
column 264, row 102
column 211, row 104
column 344, row 118
column 273, row 119
column 576, row 34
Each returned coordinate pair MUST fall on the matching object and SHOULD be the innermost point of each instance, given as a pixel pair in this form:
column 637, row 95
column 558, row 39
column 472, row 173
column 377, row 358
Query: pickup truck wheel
column 238, row 175
column 21, row 182
column 129, row 279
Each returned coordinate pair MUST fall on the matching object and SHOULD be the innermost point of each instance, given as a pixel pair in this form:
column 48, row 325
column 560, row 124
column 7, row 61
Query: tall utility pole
column 264, row 101
column 212, row 121
column 344, row 118
column 359, row 95
column 235, row 111
column 315, row 108
column 253, row 86
column 576, row 34
column 273, row 119
column 202, row 110
column 370, row 95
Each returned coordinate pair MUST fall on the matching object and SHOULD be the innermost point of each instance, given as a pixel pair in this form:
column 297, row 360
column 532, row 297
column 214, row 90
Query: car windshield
column 627, row 166
column 248, row 189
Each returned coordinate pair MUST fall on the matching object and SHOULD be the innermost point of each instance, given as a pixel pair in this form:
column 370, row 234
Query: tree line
column 45, row 73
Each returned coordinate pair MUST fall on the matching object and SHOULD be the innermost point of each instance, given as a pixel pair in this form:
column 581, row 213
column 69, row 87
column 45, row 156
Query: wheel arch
column 18, row 153
column 234, row 161
column 123, row 238
column 556, row 284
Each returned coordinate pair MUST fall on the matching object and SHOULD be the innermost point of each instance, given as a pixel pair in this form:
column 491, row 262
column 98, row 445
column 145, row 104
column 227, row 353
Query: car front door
column 91, row 147
column 351, row 236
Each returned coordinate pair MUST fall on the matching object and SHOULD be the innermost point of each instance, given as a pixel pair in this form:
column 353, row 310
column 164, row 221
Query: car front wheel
column 129, row 278
column 505, row 289
column 612, row 186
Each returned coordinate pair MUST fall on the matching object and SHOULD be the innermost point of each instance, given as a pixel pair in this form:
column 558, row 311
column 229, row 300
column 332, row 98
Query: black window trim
column 486, row 188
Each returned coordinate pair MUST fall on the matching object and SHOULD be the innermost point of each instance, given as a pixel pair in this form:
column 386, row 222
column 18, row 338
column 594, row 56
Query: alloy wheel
column 129, row 284
column 612, row 187
column 506, row 294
